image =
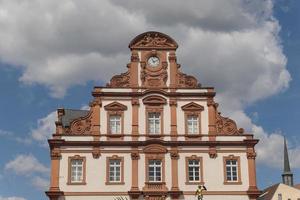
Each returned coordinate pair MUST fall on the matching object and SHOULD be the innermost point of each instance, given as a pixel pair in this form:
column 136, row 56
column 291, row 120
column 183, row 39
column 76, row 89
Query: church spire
column 287, row 175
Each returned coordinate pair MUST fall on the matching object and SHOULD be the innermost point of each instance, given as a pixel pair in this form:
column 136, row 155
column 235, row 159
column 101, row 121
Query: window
column 154, row 170
column 154, row 123
column 76, row 170
column 115, row 120
column 194, row 170
column 114, row 170
column 279, row 196
column 192, row 124
column 192, row 114
column 115, row 124
column 232, row 173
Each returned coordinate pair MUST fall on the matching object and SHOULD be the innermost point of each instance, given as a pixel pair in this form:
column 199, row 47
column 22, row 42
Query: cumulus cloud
column 40, row 183
column 232, row 45
column 44, row 129
column 12, row 198
column 26, row 165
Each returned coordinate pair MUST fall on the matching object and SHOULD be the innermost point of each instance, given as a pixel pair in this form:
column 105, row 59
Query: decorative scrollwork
column 227, row 126
column 187, row 81
column 122, row 80
column 153, row 39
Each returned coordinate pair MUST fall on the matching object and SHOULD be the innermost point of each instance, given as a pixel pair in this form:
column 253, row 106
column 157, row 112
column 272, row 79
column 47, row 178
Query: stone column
column 173, row 108
column 135, row 118
column 134, row 191
column 212, row 130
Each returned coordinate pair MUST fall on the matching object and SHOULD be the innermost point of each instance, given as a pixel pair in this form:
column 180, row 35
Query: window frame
column 237, row 159
column 154, row 109
column 187, row 159
column 115, row 108
column 76, row 157
column 192, row 109
column 109, row 123
column 155, row 157
column 108, row 181
column 155, row 167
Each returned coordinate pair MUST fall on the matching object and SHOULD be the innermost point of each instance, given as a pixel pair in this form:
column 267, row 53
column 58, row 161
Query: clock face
column 153, row 61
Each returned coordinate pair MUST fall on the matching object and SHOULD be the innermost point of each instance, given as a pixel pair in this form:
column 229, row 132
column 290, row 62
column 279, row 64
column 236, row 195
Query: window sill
column 114, row 183
column 195, row 183
column 76, row 183
column 232, row 183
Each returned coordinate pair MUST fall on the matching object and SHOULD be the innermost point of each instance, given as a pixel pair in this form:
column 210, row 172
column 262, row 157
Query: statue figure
column 199, row 192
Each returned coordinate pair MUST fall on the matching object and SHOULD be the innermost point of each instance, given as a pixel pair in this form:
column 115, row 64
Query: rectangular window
column 194, row 170
column 115, row 170
column 279, row 196
column 76, row 170
column 232, row 170
column 154, row 123
column 192, row 124
column 115, row 124
column 154, row 170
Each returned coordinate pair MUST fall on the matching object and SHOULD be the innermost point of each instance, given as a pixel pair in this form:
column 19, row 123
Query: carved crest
column 122, row 80
column 187, row 81
column 153, row 40
column 227, row 126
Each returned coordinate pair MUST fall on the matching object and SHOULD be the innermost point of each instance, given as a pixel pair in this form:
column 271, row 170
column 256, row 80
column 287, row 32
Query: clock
column 153, row 61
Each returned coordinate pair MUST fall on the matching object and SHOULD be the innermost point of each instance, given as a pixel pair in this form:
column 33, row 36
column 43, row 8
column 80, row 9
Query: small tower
column 287, row 175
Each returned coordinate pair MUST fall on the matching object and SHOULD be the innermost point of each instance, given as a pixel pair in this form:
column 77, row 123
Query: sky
column 52, row 53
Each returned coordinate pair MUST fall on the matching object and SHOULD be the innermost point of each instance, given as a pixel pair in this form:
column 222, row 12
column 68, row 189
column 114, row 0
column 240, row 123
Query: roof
column 71, row 115
column 268, row 193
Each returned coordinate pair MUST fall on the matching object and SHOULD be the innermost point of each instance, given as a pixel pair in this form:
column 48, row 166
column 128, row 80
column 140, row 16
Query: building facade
column 151, row 133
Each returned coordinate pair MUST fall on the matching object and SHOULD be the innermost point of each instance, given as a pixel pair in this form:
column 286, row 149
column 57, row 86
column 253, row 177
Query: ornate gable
column 153, row 40
column 227, row 126
column 192, row 107
column 115, row 106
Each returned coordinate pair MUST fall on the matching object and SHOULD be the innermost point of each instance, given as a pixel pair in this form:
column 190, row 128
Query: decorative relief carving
column 251, row 154
column 96, row 152
column 174, row 155
column 227, row 126
column 81, row 126
column 153, row 39
column 135, row 156
column 122, row 80
column 134, row 57
column 55, row 153
column 154, row 78
column 212, row 152
column 187, row 81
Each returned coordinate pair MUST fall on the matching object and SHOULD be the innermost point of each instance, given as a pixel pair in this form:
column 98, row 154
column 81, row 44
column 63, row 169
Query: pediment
column 154, row 100
column 152, row 39
column 192, row 107
column 116, row 106
column 155, row 148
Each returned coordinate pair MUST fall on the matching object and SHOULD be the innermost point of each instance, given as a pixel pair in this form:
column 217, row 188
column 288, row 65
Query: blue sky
column 43, row 70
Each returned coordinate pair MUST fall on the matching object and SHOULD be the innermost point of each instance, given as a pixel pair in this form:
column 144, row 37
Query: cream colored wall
column 213, row 172
column 287, row 192
column 95, row 174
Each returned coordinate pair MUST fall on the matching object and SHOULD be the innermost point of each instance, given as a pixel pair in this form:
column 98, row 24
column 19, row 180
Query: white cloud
column 232, row 45
column 12, row 198
column 40, row 183
column 45, row 128
column 26, row 165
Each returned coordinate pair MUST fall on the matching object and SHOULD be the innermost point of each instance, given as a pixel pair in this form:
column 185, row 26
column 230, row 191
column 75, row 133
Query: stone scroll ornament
column 122, row 80
column 227, row 126
column 199, row 192
column 154, row 40
column 80, row 126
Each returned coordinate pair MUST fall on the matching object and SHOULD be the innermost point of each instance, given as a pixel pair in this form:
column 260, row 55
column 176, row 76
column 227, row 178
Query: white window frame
column 194, row 167
column 75, row 170
column 231, row 168
column 157, row 169
column 154, row 127
column 193, row 124
column 115, row 125
column 115, row 170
